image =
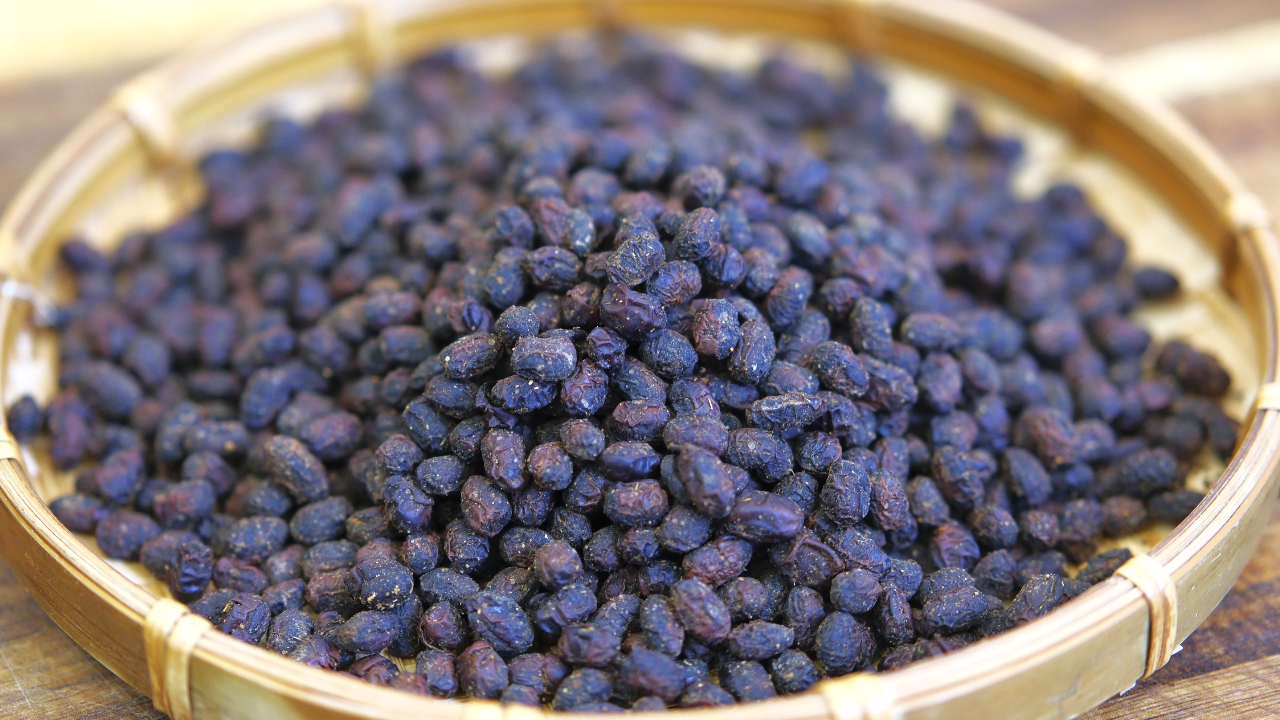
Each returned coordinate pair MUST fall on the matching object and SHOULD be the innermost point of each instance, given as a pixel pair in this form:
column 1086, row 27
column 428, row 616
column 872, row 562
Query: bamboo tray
column 128, row 165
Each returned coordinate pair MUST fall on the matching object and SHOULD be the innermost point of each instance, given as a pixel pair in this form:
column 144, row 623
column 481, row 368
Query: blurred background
column 48, row 37
column 1216, row 61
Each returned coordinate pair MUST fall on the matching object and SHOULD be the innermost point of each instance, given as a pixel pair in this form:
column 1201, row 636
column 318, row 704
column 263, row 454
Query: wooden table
column 1230, row 667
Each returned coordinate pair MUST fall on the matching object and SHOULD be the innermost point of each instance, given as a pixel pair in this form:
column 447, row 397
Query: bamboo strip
column 1205, row 65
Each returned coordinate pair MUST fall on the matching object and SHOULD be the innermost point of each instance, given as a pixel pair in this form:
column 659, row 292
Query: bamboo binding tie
column 1154, row 582
column 138, row 102
column 13, row 268
column 858, row 23
column 516, row 711
column 607, row 15
column 169, row 636
column 1248, row 212
column 373, row 36
column 858, row 697
column 1079, row 72
column 490, row 710
column 482, row 710
column 9, row 448
column 1268, row 397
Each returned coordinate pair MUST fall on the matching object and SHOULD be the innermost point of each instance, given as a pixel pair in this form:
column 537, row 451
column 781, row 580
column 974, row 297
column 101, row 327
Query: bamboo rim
column 1107, row 630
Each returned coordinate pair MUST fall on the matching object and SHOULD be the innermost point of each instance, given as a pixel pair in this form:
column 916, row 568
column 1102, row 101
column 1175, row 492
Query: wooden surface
column 1229, row 667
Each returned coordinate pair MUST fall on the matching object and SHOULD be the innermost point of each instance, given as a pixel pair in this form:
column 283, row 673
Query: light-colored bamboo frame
column 1060, row 665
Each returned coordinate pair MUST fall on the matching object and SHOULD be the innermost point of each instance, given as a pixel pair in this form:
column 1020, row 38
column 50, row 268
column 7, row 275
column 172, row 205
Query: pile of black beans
column 621, row 383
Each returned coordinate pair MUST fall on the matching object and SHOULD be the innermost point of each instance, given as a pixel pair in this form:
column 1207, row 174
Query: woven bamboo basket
column 128, row 165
